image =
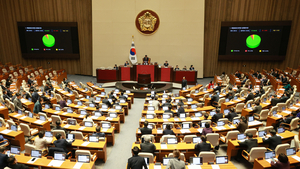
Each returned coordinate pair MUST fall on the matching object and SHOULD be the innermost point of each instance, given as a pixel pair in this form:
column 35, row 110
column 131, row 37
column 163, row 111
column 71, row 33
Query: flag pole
column 132, row 38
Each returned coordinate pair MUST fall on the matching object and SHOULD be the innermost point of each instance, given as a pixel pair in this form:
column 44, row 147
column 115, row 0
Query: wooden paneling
column 248, row 10
column 13, row 11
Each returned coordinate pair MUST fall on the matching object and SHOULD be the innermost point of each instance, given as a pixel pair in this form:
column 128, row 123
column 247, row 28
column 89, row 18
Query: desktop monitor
column 261, row 133
column 93, row 139
column 118, row 107
column 280, row 130
column 151, row 108
column 193, row 106
column 290, row 151
column 104, row 106
column 241, row 136
column 220, row 123
column 196, row 160
column 36, row 153
column 116, row 91
column 265, row 100
column 164, row 126
column 83, row 112
column 91, row 105
column 204, row 89
column 250, row 118
column 166, row 160
column 87, row 97
column 69, row 101
column 14, row 127
column 15, row 150
column 224, row 91
column 226, row 100
column 126, row 95
column 190, row 99
column 185, row 126
column 88, row 124
column 47, row 106
column 57, row 108
column 172, row 140
column 83, row 158
column 198, row 114
column 274, row 112
column 97, row 114
column 30, row 115
column 221, row 159
column 176, row 100
column 164, row 96
column 209, row 95
column 69, row 110
column 48, row 134
column 29, row 99
column 226, row 111
column 182, row 115
column 196, row 91
column 236, row 121
column 203, row 124
column 183, row 88
column 70, row 136
column 79, row 103
column 269, row 154
column 235, row 97
column 71, row 121
column 20, row 112
column 98, row 98
column 163, row 101
column 59, row 156
column 149, row 116
column 165, row 108
column 283, row 108
column 152, row 92
column 103, row 93
column 197, row 140
column 122, row 101
column 212, row 113
column 248, row 105
column 166, row 116
column 105, row 125
column 242, row 95
column 42, row 118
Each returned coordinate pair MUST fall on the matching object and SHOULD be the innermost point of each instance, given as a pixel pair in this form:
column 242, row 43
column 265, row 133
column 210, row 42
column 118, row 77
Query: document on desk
column 294, row 108
column 2, row 107
column 6, row 131
column 176, row 119
column 81, row 116
column 157, row 166
column 64, row 113
column 56, row 163
column 56, row 112
column 23, row 117
column 78, row 165
column 194, row 167
column 67, row 126
column 144, row 119
column 81, row 128
column 185, row 131
column 17, row 115
column 220, row 128
column 287, row 112
column 215, row 167
column 254, row 123
column 150, row 111
column 76, row 106
column 296, row 158
column 39, row 121
column 298, row 104
column 163, row 146
column 159, row 131
column 109, row 118
column 104, row 129
column 195, row 109
column 200, row 130
column 195, row 118
column 85, row 143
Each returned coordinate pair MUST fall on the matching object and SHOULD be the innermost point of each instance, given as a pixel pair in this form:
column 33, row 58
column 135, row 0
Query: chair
column 281, row 148
column 213, row 138
column 280, row 105
column 222, row 100
column 249, row 102
column 27, row 131
column 189, row 138
column 296, row 142
column 78, row 135
column 263, row 115
column 224, row 119
column 208, row 121
column 268, row 128
column 42, row 114
column 3, row 122
column 77, row 96
column 164, row 138
column 230, row 135
column 58, row 97
column 28, row 148
column 86, row 152
column 239, row 107
column 274, row 108
column 149, row 135
column 55, row 118
column 207, row 156
column 10, row 123
column 251, row 130
column 293, row 125
column 256, row 152
column 62, row 132
column 203, row 98
column 149, row 155
column 152, row 124
column 91, row 90
column 171, row 124
column 182, row 157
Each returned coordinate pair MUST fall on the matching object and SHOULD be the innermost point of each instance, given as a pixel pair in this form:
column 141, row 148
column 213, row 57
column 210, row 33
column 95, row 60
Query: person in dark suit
column 232, row 114
column 167, row 104
column 273, row 141
column 136, row 162
column 183, row 83
column 217, row 116
column 239, row 89
column 284, row 98
column 192, row 67
column 257, row 109
column 105, row 101
column 147, row 146
column 18, row 103
column 274, row 100
column 166, row 64
column 180, row 110
column 289, row 119
column 180, row 103
column 214, row 99
column 168, row 130
column 3, row 158
column 61, row 143
column 237, row 74
column 250, row 96
column 249, row 143
column 283, row 79
column 30, row 80
column 145, row 129
column 176, row 68
column 146, row 60
column 98, row 132
column 281, row 163
column 13, row 164
column 122, row 96
column 218, row 88
column 126, row 64
column 37, row 106
column 35, row 96
column 58, row 126
column 5, row 96
column 116, row 67
column 243, row 125
column 169, row 110
column 203, row 146
column 184, row 68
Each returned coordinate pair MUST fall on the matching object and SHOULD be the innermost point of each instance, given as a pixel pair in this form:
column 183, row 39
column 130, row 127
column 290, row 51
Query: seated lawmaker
column 250, row 96
column 136, row 161
column 207, row 129
column 180, row 110
column 257, row 109
column 249, row 143
column 184, row 68
column 218, row 87
column 3, row 158
column 281, row 163
column 168, row 130
column 284, row 98
column 232, row 114
column 13, row 163
column 274, row 100
column 61, row 143
column 203, row 146
column 169, row 110
column 243, row 125
column 166, row 64
column 116, row 67
column 177, row 68
column 273, row 141
column 145, row 129
column 214, row 99
column 126, row 64
column 98, row 132
column 192, row 67
column 148, row 146
column 217, row 116
column 40, row 142
column 289, row 119
column 58, row 126
column 146, row 60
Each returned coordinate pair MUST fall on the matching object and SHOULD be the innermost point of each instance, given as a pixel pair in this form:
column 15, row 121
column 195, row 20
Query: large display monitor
column 254, row 40
column 49, row 40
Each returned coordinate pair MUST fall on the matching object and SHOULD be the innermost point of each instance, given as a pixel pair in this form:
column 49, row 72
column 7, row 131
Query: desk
column 217, row 79
column 125, row 73
column 32, row 122
column 204, row 166
column 187, row 91
column 106, row 75
column 15, row 137
column 28, row 104
column 4, row 111
column 234, row 80
column 43, row 162
column 64, row 93
column 95, row 88
column 233, row 145
column 80, row 90
column 232, row 103
column 145, row 69
column 261, row 164
column 272, row 119
column 165, row 74
column 190, row 76
column 247, row 111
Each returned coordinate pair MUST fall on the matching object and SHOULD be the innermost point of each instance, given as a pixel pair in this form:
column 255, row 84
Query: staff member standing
column 184, row 83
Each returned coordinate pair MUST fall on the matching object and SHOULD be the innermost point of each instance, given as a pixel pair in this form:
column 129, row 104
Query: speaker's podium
column 144, row 79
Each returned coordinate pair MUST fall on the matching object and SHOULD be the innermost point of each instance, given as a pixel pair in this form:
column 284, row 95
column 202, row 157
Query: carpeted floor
column 121, row 151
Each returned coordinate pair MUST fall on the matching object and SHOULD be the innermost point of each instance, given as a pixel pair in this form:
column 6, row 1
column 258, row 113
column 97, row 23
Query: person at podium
column 126, row 64
column 192, row 67
column 184, row 68
column 146, row 60
column 116, row 67
column 177, row 68
column 166, row 64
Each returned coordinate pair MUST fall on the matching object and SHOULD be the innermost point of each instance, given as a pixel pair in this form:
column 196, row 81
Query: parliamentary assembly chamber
column 160, row 84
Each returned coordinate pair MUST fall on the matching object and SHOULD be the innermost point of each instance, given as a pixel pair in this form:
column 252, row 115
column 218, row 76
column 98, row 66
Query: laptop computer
column 196, row 161
column 235, row 97
column 250, row 118
column 79, row 103
column 69, row 101
column 236, row 121
column 83, row 158
column 150, row 127
column 249, row 105
column 59, row 156
column 47, row 106
column 166, row 160
column 203, row 124
column 93, row 139
column 197, row 140
column 241, row 136
column 20, row 112
column 171, row 140
column 221, row 159
column 103, row 93
column 189, row 99
column 290, row 151
column 280, row 130
column 226, row 111
column 36, row 153
column 185, row 126
column 88, row 124
column 127, row 91
column 196, row 91
column 83, row 112
column 104, row 106
column 70, row 137
column 269, row 154
column 262, row 133
column 198, row 114
column 227, row 100
column 48, row 134
column 15, row 150
column 164, row 126
column 122, row 101
column 69, row 110
column 149, row 116
column 204, row 89
column 220, row 123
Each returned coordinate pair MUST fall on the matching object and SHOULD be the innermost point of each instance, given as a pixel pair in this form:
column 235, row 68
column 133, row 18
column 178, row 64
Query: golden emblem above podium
column 147, row 22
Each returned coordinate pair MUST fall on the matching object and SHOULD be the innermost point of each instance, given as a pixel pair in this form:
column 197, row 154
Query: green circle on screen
column 253, row 41
column 48, row 40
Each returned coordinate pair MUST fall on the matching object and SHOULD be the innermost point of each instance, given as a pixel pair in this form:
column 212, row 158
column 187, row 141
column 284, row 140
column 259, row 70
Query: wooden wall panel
column 248, row 10
column 13, row 11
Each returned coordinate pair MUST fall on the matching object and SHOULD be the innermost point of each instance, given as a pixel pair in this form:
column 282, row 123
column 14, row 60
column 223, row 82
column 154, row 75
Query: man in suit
column 13, row 163
column 283, row 79
column 232, row 114
column 58, row 126
column 217, row 116
column 145, row 129
column 180, row 103
column 105, row 101
column 289, row 119
column 257, row 109
column 122, row 96
column 5, row 96
column 147, row 146
column 126, row 64
column 218, row 88
column 166, row 64
column 180, row 110
column 146, row 60
column 239, row 89
column 237, row 74
column 214, row 99
column 3, row 158
column 249, row 143
column 98, row 132
column 274, row 100
column 183, row 83
column 35, row 96
column 250, row 96
column 203, row 146
column 168, row 130
column 273, row 141
column 61, row 143
column 284, row 98
column 37, row 106
column 192, row 67
column 177, row 68
column 30, row 81
column 18, row 103
column 168, row 103
column 136, row 161
column 169, row 110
